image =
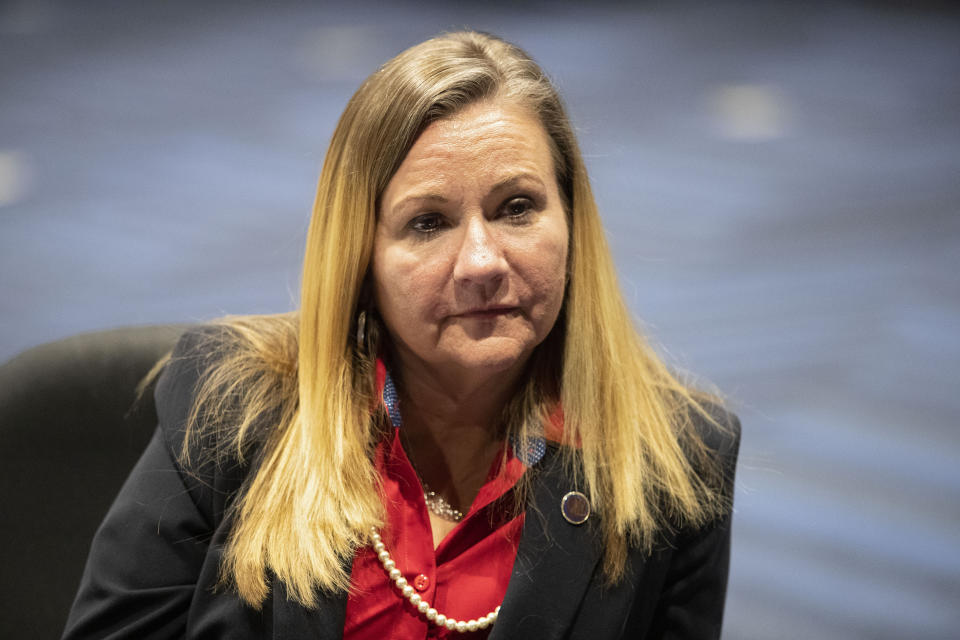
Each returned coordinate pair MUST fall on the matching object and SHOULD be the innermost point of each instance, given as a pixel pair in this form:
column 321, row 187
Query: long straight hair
column 313, row 495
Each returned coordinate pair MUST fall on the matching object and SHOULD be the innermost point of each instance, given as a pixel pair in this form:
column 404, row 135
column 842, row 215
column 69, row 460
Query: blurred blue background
column 780, row 181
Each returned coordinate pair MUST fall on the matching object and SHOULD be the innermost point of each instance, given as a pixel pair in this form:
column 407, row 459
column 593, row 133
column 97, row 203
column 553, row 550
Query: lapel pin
column 575, row 507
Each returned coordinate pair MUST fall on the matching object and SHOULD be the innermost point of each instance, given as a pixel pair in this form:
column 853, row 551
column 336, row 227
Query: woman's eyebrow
column 514, row 179
column 420, row 197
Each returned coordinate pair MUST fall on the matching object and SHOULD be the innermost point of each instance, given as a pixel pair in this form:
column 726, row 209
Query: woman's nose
column 480, row 261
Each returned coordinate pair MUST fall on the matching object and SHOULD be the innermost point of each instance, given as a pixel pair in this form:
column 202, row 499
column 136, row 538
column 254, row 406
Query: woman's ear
column 367, row 324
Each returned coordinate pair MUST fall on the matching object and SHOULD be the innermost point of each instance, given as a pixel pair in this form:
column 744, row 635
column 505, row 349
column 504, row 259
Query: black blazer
column 153, row 565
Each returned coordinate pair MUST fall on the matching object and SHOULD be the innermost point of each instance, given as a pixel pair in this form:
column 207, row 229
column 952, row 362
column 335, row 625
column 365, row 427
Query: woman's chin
column 492, row 355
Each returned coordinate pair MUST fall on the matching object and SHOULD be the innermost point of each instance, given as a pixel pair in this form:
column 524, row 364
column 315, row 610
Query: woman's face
column 470, row 251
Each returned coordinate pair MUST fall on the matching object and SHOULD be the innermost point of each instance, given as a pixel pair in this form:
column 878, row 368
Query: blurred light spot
column 341, row 53
column 15, row 177
column 748, row 112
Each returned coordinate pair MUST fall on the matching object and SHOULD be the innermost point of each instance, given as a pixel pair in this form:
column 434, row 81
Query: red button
column 421, row 582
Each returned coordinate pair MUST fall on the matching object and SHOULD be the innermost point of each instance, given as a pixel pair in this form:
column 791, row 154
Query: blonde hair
column 297, row 390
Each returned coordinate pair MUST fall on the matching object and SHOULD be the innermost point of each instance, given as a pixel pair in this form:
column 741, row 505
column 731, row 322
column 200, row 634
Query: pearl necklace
column 419, row 603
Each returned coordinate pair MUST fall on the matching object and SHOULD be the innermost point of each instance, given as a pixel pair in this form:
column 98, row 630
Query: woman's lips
column 487, row 313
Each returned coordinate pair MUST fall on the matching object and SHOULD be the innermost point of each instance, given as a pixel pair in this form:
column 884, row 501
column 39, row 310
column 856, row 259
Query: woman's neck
column 452, row 432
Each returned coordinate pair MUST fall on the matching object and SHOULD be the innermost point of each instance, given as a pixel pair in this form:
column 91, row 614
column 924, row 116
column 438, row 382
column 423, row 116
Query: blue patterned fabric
column 530, row 452
column 391, row 400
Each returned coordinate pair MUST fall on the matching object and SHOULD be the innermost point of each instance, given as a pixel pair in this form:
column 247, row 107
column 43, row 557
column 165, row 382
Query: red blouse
column 464, row 578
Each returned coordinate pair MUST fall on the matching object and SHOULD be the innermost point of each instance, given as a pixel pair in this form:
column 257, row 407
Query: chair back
column 70, row 431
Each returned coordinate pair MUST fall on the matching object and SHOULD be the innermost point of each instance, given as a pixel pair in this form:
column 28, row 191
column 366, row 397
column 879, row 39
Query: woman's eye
column 427, row 223
column 518, row 207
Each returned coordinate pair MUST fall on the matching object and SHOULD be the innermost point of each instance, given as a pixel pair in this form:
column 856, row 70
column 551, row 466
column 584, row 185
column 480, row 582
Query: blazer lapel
column 554, row 565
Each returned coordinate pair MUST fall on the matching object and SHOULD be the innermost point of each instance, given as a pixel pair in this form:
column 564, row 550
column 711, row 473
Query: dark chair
column 70, row 431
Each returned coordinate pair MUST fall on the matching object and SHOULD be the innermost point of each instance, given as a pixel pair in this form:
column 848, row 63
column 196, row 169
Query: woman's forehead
column 488, row 143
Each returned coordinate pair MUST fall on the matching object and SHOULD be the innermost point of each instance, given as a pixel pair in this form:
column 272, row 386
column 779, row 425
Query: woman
column 460, row 432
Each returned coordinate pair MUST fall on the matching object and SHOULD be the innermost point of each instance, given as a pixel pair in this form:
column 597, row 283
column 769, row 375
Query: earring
column 361, row 328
